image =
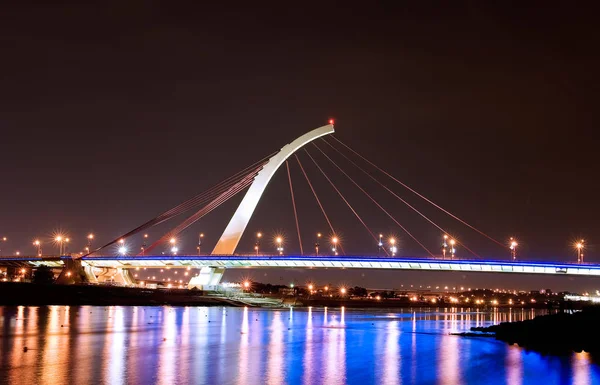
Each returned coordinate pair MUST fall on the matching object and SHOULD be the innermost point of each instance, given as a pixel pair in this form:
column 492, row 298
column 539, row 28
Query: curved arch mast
column 235, row 229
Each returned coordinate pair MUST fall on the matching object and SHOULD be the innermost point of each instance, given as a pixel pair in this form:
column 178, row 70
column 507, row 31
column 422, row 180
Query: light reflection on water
column 171, row 345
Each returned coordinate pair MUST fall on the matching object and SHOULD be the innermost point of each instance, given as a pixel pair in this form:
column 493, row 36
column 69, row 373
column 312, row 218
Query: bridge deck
column 291, row 261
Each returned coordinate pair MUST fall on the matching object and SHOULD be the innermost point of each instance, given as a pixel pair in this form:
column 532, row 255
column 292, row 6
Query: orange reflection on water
column 309, row 376
column 275, row 374
column 391, row 358
column 334, row 353
column 449, row 360
column 514, row 365
column 243, row 368
column 581, row 368
column 167, row 364
column 54, row 351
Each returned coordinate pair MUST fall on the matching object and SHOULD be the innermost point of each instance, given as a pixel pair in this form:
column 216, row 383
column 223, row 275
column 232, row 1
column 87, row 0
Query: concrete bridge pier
column 72, row 272
column 208, row 278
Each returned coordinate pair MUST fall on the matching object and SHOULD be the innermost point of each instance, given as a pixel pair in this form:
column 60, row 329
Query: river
column 247, row 346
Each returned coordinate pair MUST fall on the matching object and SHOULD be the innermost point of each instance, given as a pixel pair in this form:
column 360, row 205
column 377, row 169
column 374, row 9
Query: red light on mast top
column 331, row 121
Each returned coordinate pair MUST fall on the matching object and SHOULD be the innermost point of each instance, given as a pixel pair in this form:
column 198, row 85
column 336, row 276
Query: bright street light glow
column 122, row 250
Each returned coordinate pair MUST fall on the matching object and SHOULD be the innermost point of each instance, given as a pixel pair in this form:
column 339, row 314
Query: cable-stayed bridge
column 116, row 259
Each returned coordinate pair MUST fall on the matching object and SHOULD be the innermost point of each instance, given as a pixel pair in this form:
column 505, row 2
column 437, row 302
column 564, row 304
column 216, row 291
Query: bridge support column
column 72, row 273
column 208, row 278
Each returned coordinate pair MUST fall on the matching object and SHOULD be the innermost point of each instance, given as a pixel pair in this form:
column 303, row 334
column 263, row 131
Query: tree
column 43, row 275
column 358, row 291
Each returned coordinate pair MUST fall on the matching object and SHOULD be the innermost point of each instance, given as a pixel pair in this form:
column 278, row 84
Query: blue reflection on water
column 243, row 346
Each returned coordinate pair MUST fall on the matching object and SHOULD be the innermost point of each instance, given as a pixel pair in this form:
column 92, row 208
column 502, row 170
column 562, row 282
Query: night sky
column 111, row 114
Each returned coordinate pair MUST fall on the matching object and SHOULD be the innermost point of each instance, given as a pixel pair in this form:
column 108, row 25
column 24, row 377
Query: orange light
column 330, row 121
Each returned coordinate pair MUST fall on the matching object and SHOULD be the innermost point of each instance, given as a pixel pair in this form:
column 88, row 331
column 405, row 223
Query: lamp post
column 380, row 244
column 173, row 243
column 4, row 239
column 334, row 242
column 38, row 246
column 279, row 240
column 513, row 248
column 257, row 244
column 444, row 246
column 580, row 246
column 393, row 247
column 90, row 238
column 452, row 249
column 200, row 237
column 317, row 243
column 144, row 243
column 59, row 240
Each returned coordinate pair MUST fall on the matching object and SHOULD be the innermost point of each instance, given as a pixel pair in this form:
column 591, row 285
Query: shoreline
column 556, row 334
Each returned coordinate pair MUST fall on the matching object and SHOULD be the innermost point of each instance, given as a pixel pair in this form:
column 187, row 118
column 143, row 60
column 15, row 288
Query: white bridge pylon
column 235, row 229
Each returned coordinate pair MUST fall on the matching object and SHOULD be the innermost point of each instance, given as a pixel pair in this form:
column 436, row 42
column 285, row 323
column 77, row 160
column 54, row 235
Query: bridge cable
column 381, row 207
column 195, row 201
column 344, row 199
column 240, row 186
column 294, row 205
column 395, row 195
column 419, row 195
column 317, row 198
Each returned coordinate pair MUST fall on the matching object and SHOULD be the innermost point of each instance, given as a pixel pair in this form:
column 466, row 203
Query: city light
column 334, row 242
column 452, row 249
column 246, row 284
column 393, row 247
column 279, row 241
column 310, row 287
column 444, row 246
column 172, row 241
column 257, row 244
column 318, row 243
column 123, row 250
column 343, row 290
column 580, row 246
column 513, row 248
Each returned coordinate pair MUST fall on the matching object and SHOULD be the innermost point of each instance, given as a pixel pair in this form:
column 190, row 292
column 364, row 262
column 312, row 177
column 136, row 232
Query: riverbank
column 16, row 294
column 558, row 334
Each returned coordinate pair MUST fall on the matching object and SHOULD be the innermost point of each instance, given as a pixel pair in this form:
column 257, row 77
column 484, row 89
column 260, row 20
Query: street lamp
column 452, row 249
column 317, row 244
column 200, row 237
column 123, row 250
column 174, row 250
column 90, row 238
column 279, row 240
column 4, row 239
column 393, row 247
column 59, row 240
column 380, row 244
column 38, row 246
column 513, row 248
column 143, row 248
column 444, row 246
column 334, row 241
column 257, row 244
column 580, row 246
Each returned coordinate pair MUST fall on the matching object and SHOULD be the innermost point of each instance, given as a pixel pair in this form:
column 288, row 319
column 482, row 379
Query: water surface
column 180, row 345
